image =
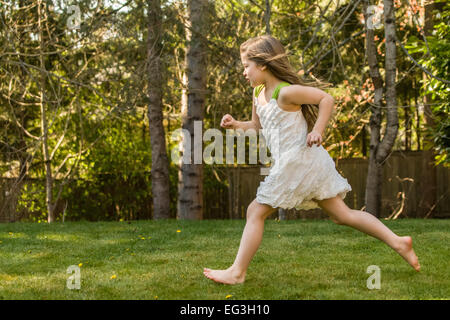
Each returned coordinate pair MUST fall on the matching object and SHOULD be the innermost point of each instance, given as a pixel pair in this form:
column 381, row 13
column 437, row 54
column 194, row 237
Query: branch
column 418, row 65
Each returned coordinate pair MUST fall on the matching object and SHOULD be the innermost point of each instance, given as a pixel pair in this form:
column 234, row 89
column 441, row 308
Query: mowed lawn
column 297, row 259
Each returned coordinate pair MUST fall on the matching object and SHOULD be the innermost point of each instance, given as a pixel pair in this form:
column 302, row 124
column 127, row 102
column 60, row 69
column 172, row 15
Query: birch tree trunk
column 391, row 131
column 190, row 196
column 160, row 161
column 380, row 150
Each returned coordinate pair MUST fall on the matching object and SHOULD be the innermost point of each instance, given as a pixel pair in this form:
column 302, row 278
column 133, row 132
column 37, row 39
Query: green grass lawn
column 297, row 259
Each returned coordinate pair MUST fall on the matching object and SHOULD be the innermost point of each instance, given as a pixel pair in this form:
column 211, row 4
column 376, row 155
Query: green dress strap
column 277, row 89
column 258, row 90
column 275, row 92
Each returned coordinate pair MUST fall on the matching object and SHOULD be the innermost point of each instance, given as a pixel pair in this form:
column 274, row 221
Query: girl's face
column 252, row 72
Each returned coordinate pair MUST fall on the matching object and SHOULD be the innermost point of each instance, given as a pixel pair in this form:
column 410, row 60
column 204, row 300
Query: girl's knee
column 337, row 221
column 254, row 214
column 337, row 210
column 259, row 211
column 342, row 221
column 344, row 218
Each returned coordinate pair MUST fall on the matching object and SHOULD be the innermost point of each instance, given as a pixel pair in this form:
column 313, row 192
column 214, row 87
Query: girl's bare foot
column 406, row 251
column 228, row 276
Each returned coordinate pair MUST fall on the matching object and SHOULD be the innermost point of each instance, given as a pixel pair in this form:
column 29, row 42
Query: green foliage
column 31, row 203
column 116, row 181
column 438, row 63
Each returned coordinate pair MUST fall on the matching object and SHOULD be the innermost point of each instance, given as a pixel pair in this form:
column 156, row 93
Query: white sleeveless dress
column 298, row 173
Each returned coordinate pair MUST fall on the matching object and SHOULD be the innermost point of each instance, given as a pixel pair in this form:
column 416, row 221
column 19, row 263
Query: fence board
column 402, row 174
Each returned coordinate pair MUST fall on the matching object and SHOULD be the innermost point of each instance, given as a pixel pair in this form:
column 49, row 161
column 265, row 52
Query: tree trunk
column 44, row 127
column 380, row 150
column 374, row 174
column 160, row 160
column 390, row 135
column 190, row 197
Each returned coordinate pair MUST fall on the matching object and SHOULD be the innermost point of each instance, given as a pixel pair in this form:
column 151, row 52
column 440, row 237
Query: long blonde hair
column 267, row 51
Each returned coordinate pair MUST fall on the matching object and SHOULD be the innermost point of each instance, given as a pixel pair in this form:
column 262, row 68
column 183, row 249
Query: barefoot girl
column 303, row 175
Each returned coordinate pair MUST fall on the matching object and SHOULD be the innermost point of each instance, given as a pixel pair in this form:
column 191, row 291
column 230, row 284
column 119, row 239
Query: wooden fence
column 402, row 189
column 235, row 188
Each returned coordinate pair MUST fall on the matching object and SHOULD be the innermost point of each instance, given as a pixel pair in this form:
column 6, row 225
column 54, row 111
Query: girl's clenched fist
column 227, row 122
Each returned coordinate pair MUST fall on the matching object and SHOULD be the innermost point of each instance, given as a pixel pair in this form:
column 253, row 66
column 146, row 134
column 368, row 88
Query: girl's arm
column 254, row 123
column 244, row 125
column 326, row 108
column 298, row 94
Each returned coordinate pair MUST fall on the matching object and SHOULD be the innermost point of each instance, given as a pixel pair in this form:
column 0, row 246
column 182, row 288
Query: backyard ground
column 164, row 260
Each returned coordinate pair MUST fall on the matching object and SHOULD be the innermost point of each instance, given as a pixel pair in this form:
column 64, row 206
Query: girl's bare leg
column 369, row 224
column 250, row 241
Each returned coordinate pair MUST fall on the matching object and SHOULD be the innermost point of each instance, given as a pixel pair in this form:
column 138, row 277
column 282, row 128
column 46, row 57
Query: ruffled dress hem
column 302, row 204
